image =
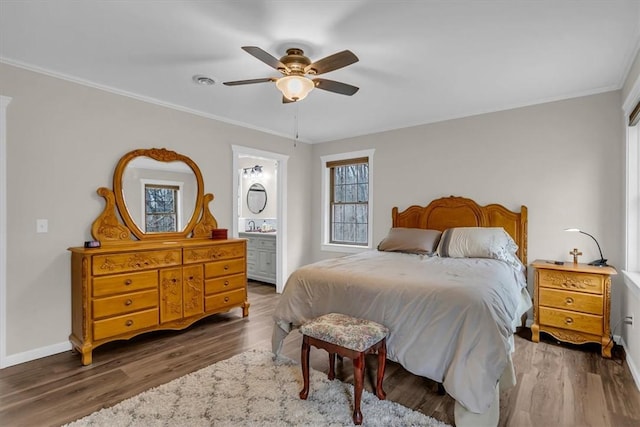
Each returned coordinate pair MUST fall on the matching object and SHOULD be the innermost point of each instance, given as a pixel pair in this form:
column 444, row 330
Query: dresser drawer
column 583, row 282
column 135, row 261
column 224, row 268
column 220, row 302
column 120, row 304
column 213, row 253
column 575, row 321
column 223, row 284
column 576, row 301
column 108, row 285
column 124, row 324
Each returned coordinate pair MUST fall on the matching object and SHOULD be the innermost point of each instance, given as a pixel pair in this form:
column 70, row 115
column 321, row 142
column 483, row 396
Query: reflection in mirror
column 256, row 198
column 159, row 196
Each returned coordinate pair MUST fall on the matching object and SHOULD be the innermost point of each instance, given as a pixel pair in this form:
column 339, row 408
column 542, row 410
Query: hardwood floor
column 558, row 385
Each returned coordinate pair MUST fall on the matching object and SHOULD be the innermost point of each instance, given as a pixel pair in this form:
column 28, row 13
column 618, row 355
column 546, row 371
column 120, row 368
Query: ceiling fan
column 295, row 66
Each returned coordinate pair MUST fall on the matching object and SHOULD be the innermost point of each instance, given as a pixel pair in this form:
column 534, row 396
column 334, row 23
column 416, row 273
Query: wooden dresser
column 160, row 269
column 123, row 290
column 572, row 303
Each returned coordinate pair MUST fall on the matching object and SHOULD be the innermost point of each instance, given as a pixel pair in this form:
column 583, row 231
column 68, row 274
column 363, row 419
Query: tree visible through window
column 349, row 201
column 160, row 204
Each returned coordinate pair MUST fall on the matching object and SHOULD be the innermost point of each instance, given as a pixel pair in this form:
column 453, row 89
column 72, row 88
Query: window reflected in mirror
column 161, row 208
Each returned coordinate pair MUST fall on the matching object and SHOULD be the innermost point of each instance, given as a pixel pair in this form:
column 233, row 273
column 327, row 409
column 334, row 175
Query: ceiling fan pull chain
column 295, row 126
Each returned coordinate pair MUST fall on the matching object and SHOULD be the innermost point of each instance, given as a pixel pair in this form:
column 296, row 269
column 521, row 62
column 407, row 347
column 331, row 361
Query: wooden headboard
column 453, row 211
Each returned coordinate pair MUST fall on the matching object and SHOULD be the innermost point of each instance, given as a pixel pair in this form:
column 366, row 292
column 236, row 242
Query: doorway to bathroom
column 259, row 212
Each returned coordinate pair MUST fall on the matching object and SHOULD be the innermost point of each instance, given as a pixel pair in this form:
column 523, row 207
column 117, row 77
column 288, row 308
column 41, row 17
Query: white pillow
column 410, row 240
column 478, row 242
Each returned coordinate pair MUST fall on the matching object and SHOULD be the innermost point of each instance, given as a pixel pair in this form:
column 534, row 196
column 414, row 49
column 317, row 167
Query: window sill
column 330, row 247
column 632, row 280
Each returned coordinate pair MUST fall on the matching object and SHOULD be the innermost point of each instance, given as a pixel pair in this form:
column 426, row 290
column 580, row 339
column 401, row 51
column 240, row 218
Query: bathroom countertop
column 257, row 233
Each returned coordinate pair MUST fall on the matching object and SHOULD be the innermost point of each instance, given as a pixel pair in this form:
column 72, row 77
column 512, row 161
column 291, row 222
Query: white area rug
column 252, row 389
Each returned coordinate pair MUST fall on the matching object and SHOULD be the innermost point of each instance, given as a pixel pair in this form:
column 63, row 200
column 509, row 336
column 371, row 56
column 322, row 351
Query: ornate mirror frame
column 107, row 227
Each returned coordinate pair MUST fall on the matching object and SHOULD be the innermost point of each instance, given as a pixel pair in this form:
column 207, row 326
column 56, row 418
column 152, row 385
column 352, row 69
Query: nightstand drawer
column 585, row 303
column 575, row 321
column 571, row 280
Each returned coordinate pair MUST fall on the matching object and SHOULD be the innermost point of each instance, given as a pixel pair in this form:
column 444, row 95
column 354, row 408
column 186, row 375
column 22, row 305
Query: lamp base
column 599, row 263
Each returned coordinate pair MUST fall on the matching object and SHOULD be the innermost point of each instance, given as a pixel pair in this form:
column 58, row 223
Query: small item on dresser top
column 575, row 254
column 219, row 234
column 92, row 244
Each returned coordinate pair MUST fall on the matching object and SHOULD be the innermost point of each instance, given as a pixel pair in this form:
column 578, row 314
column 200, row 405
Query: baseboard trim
column 38, row 353
column 635, row 373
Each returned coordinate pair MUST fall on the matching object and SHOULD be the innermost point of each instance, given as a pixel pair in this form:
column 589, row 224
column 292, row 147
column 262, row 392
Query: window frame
column 326, row 244
column 631, row 269
column 178, row 201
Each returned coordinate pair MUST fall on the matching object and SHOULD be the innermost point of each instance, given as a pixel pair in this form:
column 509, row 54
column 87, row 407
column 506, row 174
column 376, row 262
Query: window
column 160, row 208
column 633, row 191
column 347, row 201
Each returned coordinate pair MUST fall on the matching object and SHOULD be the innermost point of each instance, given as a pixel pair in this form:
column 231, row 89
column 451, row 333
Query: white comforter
column 450, row 319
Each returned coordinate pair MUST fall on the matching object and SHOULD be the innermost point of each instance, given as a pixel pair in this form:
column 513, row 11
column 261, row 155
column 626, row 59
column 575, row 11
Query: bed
column 449, row 281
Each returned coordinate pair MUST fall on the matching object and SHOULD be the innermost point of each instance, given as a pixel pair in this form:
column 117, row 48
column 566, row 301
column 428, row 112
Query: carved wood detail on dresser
column 162, row 280
column 572, row 302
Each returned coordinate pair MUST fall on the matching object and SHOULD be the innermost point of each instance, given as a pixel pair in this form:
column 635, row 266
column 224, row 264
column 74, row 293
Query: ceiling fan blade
column 265, row 57
column 251, row 81
column 332, row 62
column 286, row 100
column 337, row 87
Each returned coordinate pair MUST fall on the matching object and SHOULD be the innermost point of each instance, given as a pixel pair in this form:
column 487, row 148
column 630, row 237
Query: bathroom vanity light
column 252, row 172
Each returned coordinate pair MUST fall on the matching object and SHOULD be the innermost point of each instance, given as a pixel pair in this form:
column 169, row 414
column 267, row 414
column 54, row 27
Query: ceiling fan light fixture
column 295, row 88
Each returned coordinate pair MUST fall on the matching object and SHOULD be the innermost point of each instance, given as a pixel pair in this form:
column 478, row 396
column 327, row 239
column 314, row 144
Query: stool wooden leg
column 382, row 361
column 304, row 360
column 332, row 366
column 358, row 378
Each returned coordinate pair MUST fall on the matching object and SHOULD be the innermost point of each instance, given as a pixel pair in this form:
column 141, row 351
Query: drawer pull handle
column 226, row 267
column 190, row 277
column 129, row 322
column 569, row 301
column 226, row 283
column 128, row 302
column 568, row 320
column 128, row 282
column 226, row 299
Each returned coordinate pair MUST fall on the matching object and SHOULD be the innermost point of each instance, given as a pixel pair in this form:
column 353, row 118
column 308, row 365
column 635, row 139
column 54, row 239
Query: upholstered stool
column 348, row 337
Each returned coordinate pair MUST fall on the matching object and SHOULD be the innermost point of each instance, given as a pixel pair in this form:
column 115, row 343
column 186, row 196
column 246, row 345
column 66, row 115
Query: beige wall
column 563, row 160
column 63, row 142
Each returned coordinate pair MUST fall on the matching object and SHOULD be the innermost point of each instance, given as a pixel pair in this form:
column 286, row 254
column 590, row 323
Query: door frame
column 4, row 103
column 281, row 220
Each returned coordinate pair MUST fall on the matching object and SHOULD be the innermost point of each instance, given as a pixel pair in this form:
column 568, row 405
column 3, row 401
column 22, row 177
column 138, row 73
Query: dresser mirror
column 256, row 198
column 159, row 194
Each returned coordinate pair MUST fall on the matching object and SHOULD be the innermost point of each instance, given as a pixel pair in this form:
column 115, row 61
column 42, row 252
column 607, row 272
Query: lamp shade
column 295, row 88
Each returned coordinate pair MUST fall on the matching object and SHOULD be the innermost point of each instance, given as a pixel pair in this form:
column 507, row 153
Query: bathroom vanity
column 261, row 255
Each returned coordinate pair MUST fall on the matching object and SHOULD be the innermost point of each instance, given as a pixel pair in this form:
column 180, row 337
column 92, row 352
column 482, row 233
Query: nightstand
column 572, row 303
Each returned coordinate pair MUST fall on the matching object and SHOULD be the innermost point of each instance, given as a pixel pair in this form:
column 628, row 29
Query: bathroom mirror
column 256, row 198
column 159, row 193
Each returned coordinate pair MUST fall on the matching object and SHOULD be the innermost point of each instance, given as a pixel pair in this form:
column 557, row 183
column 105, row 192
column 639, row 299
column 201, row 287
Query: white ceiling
column 420, row 61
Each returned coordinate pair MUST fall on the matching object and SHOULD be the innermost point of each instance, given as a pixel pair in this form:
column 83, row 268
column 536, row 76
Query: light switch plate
column 42, row 226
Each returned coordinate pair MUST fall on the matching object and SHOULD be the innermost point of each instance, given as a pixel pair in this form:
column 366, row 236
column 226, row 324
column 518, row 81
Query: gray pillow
column 410, row 240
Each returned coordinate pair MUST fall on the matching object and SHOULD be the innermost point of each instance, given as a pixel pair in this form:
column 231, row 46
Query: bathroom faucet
column 252, row 225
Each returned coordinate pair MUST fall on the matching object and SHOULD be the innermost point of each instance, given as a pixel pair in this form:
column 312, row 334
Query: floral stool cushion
column 345, row 331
